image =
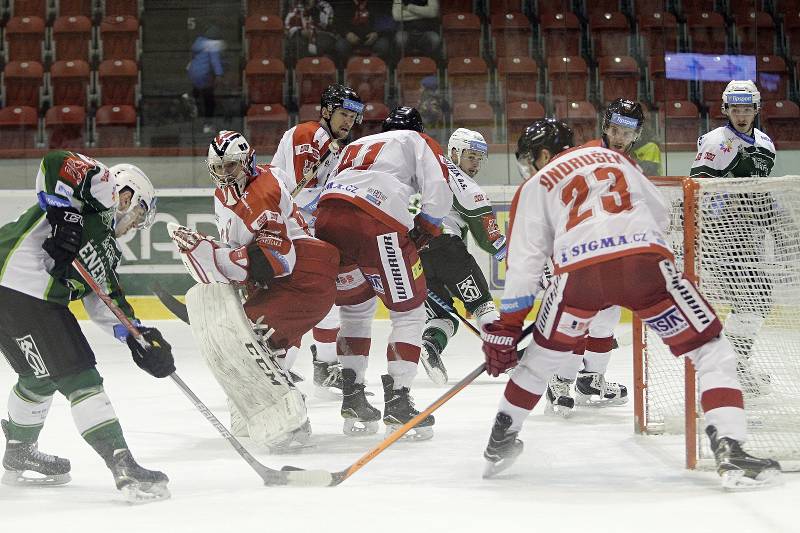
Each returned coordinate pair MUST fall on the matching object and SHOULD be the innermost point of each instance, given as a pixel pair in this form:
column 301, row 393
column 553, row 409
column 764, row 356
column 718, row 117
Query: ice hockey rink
column 587, row 473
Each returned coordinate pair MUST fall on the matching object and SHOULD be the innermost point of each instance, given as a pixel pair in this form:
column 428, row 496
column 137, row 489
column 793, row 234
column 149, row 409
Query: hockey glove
column 207, row 261
column 65, row 237
column 500, row 346
column 424, row 230
column 157, row 359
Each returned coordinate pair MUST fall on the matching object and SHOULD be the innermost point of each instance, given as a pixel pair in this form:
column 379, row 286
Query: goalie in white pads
column 598, row 216
column 291, row 284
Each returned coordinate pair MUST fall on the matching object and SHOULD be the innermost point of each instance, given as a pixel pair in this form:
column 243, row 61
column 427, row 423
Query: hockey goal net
column 739, row 240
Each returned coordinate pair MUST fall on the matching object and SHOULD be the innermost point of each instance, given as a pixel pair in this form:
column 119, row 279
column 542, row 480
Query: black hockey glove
column 65, row 237
column 156, row 360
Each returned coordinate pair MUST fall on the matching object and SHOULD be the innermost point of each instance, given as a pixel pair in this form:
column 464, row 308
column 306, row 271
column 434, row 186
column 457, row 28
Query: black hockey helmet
column 403, row 118
column 336, row 96
column 544, row 133
column 625, row 113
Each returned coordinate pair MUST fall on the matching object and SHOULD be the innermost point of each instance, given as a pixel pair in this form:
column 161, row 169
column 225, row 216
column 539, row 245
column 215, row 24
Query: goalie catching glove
column 156, row 359
column 207, row 260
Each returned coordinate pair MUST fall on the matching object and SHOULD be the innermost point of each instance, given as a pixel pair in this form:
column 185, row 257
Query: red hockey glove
column 424, row 230
column 500, row 346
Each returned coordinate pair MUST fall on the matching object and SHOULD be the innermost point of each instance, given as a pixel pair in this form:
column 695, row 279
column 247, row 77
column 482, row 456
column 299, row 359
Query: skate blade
column 140, row 493
column 437, row 375
column 492, row 469
column 29, row 478
column 413, row 434
column 359, row 428
column 735, row 480
column 290, row 449
column 557, row 410
column 595, row 401
column 327, row 393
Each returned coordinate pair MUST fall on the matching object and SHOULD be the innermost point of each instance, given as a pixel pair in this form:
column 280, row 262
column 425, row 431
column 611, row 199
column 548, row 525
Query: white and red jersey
column 379, row 173
column 588, row 205
column 265, row 214
column 302, row 147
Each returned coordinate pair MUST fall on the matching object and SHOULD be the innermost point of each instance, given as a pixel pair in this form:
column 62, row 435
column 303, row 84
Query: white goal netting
column 747, row 260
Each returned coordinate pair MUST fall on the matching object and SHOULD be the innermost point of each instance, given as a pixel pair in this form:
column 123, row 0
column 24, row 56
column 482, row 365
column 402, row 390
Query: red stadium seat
column 773, row 77
column 74, row 7
column 115, row 126
column 602, row 6
column 69, row 81
column 477, row 116
column 462, row 34
column 409, row 73
column 610, row 34
column 569, row 78
column 511, row 34
column 664, row 90
column 619, row 78
column 707, row 33
column 456, row 6
column 367, row 75
column 29, row 8
column 22, row 81
column 312, row 75
column 519, row 115
column 581, row 116
column 518, row 79
column 561, row 33
column 118, row 80
column 264, row 36
column 658, row 33
column 265, row 125
column 644, row 7
column 72, row 35
column 264, row 7
column 121, row 7
column 756, row 32
column 711, row 91
column 692, row 8
column 780, row 119
column 715, row 116
column 682, row 122
column 24, row 38
column 374, row 115
column 501, row 7
column 266, row 79
column 119, row 37
column 18, row 127
column 308, row 113
column 65, row 127
column 468, row 78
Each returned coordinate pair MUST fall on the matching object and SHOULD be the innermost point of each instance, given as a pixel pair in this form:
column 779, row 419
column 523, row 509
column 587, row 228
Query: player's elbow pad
column 260, row 269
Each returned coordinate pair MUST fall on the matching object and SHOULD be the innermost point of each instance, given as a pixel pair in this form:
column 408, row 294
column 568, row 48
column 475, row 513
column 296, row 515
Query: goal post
column 738, row 239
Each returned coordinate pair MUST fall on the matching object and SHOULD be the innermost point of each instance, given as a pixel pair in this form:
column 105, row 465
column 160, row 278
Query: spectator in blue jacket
column 205, row 68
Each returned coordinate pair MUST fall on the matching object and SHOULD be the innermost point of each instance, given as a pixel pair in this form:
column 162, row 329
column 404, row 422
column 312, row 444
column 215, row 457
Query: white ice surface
column 588, row 473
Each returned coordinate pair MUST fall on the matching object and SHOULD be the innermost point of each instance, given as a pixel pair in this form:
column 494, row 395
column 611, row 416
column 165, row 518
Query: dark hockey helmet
column 403, row 118
column 624, row 113
column 544, row 133
column 336, row 96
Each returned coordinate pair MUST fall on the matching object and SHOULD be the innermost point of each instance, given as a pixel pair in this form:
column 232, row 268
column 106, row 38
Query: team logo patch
column 32, row 356
column 264, row 218
column 468, row 289
column 375, row 282
column 416, row 269
column 394, row 267
column 668, row 324
column 74, row 170
column 572, row 325
column 346, row 281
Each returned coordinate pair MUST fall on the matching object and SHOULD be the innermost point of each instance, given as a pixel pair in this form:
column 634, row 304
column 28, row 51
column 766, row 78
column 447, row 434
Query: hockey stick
column 268, row 475
column 313, row 173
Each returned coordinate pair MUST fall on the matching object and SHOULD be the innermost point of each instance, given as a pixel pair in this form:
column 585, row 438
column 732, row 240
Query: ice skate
column 504, row 447
column 399, row 409
column 431, row 359
column 592, row 389
column 559, row 400
column 327, row 377
column 360, row 418
column 25, row 465
column 138, row 484
column 295, row 441
column 738, row 469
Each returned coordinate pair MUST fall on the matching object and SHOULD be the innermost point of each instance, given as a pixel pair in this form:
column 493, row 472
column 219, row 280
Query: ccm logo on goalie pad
column 394, row 266
column 686, row 297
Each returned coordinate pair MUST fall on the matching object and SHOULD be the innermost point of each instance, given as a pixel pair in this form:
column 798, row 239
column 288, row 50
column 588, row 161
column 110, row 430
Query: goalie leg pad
column 272, row 407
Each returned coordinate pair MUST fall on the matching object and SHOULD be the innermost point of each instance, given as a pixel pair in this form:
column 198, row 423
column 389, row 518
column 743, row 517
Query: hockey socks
column 97, row 422
column 27, row 412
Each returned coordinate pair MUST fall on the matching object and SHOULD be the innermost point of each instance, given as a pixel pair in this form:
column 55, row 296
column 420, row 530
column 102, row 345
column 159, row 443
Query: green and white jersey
column 66, row 178
column 724, row 152
column 472, row 212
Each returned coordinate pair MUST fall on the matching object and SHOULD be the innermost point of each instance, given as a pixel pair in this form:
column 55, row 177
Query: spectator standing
column 309, row 26
column 204, row 69
column 418, row 27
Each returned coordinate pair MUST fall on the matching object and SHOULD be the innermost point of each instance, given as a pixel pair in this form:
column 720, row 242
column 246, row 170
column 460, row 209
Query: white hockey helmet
column 141, row 211
column 741, row 92
column 231, row 162
column 464, row 139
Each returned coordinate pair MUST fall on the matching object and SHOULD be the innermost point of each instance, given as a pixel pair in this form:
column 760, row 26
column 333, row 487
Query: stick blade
column 170, row 302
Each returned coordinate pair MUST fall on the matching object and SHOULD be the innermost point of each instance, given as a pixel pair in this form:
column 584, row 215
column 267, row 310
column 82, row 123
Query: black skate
column 592, row 389
column 504, row 447
column 25, row 465
column 559, row 400
column 360, row 418
column 431, row 359
column 739, row 469
column 399, row 408
column 138, row 484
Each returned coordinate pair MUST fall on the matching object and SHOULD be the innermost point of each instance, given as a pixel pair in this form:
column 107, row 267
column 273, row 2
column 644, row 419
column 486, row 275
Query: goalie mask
column 470, row 150
column 232, row 163
column 136, row 208
column 741, row 102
